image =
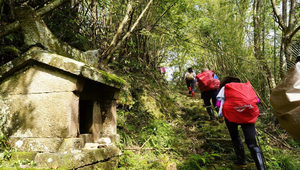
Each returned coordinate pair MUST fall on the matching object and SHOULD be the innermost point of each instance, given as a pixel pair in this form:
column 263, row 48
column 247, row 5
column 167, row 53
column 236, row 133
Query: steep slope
column 164, row 128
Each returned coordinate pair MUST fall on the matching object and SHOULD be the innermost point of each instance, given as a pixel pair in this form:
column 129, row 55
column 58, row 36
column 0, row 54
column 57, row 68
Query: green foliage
column 3, row 142
column 23, row 162
column 8, row 53
column 148, row 160
column 283, row 161
column 148, row 133
column 215, row 147
column 198, row 162
column 294, row 143
column 70, row 32
column 5, row 147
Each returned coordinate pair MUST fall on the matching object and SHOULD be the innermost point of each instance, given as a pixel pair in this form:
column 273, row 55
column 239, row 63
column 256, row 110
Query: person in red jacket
column 238, row 106
column 208, row 84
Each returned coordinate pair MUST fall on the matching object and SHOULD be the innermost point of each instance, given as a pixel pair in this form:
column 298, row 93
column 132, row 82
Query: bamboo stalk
column 146, row 142
column 284, row 144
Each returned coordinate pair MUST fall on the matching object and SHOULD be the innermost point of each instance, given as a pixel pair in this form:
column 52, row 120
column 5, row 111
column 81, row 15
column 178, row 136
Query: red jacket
column 240, row 103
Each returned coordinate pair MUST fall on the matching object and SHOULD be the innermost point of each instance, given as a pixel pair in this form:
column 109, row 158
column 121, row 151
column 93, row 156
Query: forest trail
column 211, row 140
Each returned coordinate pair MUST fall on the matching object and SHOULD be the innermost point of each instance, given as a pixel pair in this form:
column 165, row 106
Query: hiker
column 190, row 79
column 208, row 84
column 162, row 73
column 285, row 100
column 161, row 70
column 238, row 106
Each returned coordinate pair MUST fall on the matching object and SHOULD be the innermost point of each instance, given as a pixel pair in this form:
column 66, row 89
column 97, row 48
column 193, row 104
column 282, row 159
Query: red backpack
column 206, row 81
column 240, row 103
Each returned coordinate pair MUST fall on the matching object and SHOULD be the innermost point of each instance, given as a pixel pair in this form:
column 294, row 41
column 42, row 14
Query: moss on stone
column 22, row 156
column 110, row 78
column 109, row 164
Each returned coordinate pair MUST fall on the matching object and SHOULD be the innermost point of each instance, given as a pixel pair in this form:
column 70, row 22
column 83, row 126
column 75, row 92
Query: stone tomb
column 50, row 103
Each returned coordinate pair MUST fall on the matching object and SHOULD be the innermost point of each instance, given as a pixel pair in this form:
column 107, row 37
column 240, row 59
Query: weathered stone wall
column 40, row 79
column 40, row 103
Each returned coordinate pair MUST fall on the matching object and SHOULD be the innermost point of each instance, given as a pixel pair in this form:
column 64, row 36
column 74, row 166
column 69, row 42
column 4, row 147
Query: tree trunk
column 108, row 53
column 287, row 24
column 257, row 8
column 94, row 22
column 282, row 60
column 257, row 13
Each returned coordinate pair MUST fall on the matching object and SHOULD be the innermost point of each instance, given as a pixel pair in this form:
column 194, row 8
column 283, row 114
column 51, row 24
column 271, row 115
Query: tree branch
column 161, row 16
column 119, row 31
column 277, row 15
column 10, row 28
column 129, row 32
column 50, row 7
column 294, row 32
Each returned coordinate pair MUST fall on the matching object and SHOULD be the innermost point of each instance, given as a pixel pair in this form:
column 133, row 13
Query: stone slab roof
column 37, row 55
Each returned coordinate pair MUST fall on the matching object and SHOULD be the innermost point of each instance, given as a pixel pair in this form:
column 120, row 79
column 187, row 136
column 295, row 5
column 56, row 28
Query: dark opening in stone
column 86, row 116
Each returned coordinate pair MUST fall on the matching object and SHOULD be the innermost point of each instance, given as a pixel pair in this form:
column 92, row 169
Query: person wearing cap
column 190, row 80
column 239, row 112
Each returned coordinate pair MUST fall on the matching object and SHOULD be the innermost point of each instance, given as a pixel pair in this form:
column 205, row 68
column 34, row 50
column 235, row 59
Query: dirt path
column 209, row 140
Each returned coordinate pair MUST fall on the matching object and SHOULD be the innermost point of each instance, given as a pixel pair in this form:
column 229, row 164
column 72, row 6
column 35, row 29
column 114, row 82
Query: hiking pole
column 262, row 155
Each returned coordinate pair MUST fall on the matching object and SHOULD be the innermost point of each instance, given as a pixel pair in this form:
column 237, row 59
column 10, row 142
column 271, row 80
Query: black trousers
column 249, row 133
column 209, row 95
column 191, row 83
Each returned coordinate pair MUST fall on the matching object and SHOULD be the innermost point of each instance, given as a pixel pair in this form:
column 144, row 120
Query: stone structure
column 54, row 104
column 50, row 103
column 47, row 98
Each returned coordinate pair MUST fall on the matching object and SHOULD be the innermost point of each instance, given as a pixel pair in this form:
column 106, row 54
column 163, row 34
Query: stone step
column 80, row 159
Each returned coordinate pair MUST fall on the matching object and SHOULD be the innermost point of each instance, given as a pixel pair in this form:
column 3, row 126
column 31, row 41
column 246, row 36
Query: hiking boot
column 190, row 89
column 240, row 153
column 193, row 94
column 257, row 156
column 210, row 113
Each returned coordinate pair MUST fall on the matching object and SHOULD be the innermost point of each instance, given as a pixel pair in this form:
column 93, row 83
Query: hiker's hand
column 221, row 119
